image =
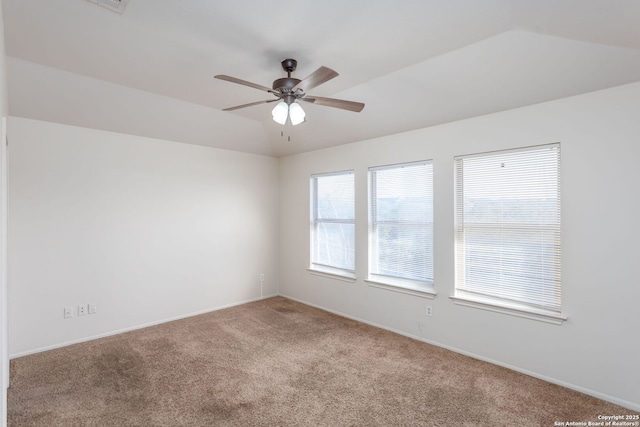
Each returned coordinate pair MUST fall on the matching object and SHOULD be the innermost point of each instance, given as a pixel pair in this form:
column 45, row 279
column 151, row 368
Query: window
column 401, row 225
column 508, row 231
column 333, row 223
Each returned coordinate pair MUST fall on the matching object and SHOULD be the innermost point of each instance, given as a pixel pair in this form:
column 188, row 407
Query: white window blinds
column 508, row 226
column 401, row 222
column 333, row 222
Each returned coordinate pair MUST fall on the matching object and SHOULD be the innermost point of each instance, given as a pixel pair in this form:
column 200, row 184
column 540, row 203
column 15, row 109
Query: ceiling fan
column 288, row 90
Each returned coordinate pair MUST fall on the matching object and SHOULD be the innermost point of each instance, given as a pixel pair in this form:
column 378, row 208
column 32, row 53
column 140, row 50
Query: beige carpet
column 278, row 363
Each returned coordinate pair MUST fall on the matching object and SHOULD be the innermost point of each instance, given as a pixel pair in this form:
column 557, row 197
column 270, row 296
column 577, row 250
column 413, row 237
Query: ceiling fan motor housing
column 286, row 84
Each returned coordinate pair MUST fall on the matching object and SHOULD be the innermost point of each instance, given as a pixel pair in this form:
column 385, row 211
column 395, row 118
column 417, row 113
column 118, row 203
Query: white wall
column 596, row 350
column 4, row 361
column 4, row 358
column 148, row 230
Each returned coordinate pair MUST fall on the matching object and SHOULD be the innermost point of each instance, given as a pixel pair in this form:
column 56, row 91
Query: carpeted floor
column 278, row 363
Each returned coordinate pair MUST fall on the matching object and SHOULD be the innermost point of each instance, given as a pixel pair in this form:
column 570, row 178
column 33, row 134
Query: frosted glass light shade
column 279, row 113
column 296, row 113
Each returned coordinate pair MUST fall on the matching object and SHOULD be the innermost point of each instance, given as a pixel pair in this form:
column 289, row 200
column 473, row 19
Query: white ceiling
column 414, row 63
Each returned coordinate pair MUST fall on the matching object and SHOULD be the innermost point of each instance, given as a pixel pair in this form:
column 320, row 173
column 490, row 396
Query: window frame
column 494, row 303
column 412, row 286
column 318, row 268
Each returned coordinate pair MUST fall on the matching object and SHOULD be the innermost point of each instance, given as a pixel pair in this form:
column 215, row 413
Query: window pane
column 508, row 226
column 335, row 196
column 333, row 216
column 513, row 264
column 402, row 221
column 335, row 245
column 405, row 251
column 403, row 194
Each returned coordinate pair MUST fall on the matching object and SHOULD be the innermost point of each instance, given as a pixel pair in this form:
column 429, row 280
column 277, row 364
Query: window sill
column 403, row 287
column 512, row 309
column 331, row 274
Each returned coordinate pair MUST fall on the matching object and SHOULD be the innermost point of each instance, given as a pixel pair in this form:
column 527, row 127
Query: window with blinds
column 333, row 223
column 508, row 228
column 401, row 224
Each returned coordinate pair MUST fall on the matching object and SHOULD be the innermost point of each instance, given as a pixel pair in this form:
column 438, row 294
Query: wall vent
column 114, row 5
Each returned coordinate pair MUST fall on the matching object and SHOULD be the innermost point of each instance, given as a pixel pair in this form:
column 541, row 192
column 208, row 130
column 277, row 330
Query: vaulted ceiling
column 416, row 63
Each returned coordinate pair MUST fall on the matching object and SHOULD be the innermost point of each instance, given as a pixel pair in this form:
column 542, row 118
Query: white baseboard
column 133, row 328
column 612, row 399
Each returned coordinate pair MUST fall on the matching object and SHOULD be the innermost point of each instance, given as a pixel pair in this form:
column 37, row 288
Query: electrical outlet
column 68, row 312
column 262, row 277
column 92, row 309
column 82, row 310
column 429, row 312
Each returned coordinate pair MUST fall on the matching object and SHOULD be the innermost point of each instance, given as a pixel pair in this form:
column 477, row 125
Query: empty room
column 320, row 213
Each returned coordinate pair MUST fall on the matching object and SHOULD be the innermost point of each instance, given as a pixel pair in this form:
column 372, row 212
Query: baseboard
column 133, row 328
column 612, row 399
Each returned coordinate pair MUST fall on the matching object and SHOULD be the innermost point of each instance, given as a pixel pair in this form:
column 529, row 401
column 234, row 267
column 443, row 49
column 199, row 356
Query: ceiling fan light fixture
column 280, row 112
column 296, row 114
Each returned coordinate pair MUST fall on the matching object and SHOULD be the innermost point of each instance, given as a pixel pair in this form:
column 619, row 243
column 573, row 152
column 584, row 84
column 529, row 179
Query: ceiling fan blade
column 243, row 82
column 335, row 103
column 319, row 76
column 250, row 104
